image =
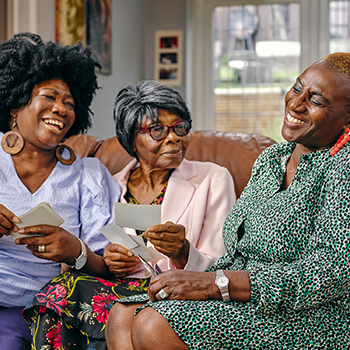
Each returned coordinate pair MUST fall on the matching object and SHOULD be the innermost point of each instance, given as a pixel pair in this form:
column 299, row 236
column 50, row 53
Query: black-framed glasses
column 160, row 132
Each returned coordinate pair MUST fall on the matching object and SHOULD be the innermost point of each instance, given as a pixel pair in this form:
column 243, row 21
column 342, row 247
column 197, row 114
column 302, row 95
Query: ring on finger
column 163, row 294
column 41, row 248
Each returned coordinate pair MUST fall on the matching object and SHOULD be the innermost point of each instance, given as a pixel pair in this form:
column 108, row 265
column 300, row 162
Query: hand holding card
column 42, row 214
column 139, row 217
column 115, row 234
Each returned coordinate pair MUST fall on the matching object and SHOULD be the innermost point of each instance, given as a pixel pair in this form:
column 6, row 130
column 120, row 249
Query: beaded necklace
column 343, row 139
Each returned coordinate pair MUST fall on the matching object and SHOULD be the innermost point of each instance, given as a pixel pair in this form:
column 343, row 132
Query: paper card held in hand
column 42, row 214
column 135, row 216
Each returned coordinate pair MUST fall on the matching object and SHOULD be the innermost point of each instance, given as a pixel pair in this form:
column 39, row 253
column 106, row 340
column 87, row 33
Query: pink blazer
column 199, row 196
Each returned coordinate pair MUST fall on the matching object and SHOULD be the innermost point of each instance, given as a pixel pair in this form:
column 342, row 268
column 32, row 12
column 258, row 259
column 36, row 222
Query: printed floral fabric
column 71, row 311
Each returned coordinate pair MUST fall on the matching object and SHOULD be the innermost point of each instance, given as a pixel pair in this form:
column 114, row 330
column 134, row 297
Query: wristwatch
column 222, row 282
column 80, row 261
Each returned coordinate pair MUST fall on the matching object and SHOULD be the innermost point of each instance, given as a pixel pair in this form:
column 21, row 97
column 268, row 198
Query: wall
column 164, row 15
column 127, row 63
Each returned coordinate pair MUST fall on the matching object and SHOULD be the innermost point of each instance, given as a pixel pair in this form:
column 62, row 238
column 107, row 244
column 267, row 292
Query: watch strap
column 83, row 253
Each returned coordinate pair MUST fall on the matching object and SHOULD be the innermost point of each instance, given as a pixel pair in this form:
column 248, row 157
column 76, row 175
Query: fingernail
column 15, row 219
column 21, row 230
column 15, row 229
column 130, row 254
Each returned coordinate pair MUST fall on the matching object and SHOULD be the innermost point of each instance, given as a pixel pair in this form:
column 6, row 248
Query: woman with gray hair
column 153, row 125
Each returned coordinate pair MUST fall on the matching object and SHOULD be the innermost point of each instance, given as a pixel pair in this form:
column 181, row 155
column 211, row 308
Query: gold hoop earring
column 59, row 151
column 12, row 142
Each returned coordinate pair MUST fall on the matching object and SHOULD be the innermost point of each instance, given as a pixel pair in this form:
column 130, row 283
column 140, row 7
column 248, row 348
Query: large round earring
column 12, row 142
column 65, row 161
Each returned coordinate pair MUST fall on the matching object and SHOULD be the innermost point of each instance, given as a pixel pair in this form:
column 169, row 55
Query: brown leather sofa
column 235, row 151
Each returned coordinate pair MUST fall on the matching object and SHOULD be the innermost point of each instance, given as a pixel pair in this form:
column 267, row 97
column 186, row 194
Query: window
column 247, row 54
column 339, row 30
column 256, row 59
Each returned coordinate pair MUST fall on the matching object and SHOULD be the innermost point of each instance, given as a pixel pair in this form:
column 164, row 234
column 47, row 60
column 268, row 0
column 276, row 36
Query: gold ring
column 41, row 248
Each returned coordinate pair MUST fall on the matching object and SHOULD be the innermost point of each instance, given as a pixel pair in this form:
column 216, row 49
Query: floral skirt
column 71, row 311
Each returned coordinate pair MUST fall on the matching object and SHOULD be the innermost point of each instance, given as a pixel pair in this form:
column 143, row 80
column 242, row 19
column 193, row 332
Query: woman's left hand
column 170, row 240
column 183, row 285
column 56, row 244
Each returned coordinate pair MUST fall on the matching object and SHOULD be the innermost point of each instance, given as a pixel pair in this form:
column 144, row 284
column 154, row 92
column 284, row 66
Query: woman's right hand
column 7, row 221
column 119, row 260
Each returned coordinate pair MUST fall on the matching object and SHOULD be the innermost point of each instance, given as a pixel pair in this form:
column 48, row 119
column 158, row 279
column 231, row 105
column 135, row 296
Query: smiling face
column 164, row 154
column 317, row 107
column 48, row 116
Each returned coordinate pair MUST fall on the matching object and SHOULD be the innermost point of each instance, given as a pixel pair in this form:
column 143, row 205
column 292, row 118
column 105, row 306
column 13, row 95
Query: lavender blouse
column 83, row 194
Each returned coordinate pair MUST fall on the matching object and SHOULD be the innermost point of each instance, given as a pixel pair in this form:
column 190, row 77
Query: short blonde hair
column 340, row 61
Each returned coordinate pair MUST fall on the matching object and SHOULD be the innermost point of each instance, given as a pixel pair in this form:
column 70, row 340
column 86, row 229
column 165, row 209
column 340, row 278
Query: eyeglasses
column 160, row 132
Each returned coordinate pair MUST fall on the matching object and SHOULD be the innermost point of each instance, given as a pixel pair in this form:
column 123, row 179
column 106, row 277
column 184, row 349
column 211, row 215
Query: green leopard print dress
column 296, row 248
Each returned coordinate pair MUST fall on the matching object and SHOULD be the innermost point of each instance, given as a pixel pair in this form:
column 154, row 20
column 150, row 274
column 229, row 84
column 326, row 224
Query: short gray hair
column 145, row 98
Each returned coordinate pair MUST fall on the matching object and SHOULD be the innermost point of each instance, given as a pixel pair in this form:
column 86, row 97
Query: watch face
column 80, row 262
column 222, row 281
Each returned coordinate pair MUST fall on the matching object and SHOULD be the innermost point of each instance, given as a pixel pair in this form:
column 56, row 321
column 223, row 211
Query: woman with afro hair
column 45, row 93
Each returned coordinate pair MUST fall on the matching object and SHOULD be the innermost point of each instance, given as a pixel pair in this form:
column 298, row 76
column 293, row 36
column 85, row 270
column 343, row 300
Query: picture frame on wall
column 70, row 22
column 168, row 57
column 88, row 22
column 98, row 19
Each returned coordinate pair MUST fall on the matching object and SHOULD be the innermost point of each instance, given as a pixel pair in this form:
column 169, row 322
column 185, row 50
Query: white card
column 42, row 214
column 115, row 234
column 137, row 216
column 132, row 242
column 141, row 248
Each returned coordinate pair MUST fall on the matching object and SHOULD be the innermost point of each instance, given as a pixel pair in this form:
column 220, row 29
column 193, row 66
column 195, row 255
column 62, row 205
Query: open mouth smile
column 294, row 120
column 54, row 122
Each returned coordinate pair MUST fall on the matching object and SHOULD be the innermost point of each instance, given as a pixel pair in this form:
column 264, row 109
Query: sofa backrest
column 235, row 151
